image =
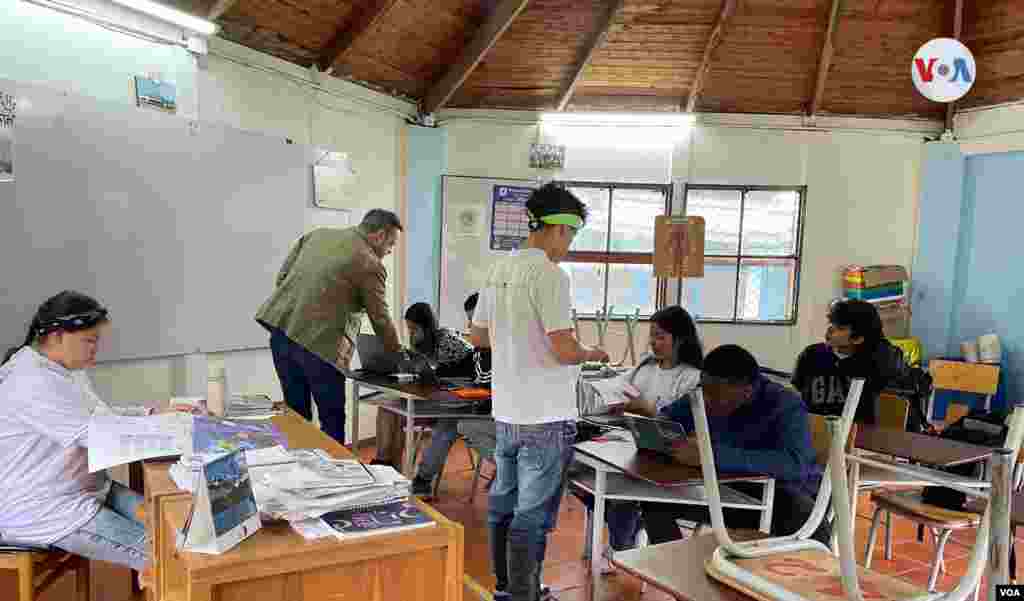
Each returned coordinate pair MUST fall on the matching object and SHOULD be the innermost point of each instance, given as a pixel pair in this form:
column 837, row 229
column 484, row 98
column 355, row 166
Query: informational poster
column 509, row 223
column 8, row 108
column 678, row 247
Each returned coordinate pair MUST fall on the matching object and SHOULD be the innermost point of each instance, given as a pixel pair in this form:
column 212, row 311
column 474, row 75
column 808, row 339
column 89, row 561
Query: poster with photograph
column 509, row 223
column 8, row 109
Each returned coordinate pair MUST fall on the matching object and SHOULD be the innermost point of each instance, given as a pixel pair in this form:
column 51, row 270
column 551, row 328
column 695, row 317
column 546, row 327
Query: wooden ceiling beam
column 958, row 25
column 492, row 29
column 219, row 8
column 825, row 59
column 597, row 37
column 717, row 32
column 361, row 21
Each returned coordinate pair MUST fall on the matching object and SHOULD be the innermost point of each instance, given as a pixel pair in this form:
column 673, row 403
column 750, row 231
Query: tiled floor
column 564, row 571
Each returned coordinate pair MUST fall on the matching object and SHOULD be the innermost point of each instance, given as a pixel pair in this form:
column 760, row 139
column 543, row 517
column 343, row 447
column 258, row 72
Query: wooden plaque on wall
column 678, row 246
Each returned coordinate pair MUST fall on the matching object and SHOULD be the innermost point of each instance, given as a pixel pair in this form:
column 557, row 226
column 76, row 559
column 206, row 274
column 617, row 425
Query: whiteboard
column 178, row 228
column 466, row 254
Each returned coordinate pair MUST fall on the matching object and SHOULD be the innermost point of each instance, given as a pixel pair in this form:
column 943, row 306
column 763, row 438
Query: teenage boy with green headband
column 525, row 316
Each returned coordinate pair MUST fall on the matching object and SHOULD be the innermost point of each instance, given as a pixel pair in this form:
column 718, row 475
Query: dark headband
column 78, row 321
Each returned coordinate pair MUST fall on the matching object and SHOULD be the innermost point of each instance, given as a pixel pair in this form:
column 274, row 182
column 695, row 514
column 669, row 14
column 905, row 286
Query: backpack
column 915, row 385
column 978, row 427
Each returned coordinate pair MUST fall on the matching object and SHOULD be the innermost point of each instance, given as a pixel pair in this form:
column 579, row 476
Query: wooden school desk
column 277, row 564
column 677, row 568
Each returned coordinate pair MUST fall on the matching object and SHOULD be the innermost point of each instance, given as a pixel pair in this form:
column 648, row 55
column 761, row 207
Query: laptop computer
column 375, row 358
column 658, row 436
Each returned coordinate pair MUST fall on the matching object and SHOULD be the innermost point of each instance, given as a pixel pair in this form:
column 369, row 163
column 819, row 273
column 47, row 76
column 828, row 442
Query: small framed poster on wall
column 155, row 93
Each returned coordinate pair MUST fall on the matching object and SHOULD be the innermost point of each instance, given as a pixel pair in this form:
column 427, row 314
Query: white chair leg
column 869, row 551
column 938, row 559
column 888, row 536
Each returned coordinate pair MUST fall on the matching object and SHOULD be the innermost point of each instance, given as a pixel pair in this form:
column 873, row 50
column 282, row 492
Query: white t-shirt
column 524, row 298
column 663, row 386
column 46, row 490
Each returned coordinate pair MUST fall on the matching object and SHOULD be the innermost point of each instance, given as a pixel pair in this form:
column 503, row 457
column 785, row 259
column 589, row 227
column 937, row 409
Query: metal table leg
column 354, row 440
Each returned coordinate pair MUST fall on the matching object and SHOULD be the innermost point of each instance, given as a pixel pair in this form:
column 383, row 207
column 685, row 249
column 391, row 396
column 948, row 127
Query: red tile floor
column 564, row 571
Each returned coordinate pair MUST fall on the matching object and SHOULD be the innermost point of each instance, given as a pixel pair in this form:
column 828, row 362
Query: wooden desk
column 677, row 568
column 919, row 448
column 413, row 395
column 277, row 564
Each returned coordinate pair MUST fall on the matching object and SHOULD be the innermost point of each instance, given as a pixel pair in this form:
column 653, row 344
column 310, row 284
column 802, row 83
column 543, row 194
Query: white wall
column 996, row 129
column 256, row 92
column 861, row 178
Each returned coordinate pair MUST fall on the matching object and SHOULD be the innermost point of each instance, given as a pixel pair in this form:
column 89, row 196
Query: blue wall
column 990, row 287
column 935, row 266
column 428, row 159
column 964, row 282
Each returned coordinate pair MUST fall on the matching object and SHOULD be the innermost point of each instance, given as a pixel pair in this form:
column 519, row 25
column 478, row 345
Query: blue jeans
column 115, row 534
column 531, row 461
column 622, row 517
column 303, row 373
column 442, row 437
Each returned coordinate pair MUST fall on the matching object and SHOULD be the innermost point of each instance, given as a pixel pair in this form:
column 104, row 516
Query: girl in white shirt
column 669, row 372
column 47, row 495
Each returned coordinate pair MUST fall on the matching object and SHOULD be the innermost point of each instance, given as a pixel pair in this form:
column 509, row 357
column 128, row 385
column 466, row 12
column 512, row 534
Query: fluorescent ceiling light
column 165, row 13
column 622, row 119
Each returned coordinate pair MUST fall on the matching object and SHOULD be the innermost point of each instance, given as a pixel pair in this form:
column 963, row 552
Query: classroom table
column 621, row 472
column 677, row 568
column 277, row 564
column 421, row 401
column 919, row 448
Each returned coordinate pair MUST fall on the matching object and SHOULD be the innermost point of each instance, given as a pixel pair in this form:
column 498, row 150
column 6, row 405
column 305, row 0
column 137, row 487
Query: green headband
column 569, row 219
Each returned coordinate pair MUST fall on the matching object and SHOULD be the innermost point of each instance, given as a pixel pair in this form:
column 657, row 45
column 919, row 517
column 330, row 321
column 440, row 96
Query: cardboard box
column 895, row 320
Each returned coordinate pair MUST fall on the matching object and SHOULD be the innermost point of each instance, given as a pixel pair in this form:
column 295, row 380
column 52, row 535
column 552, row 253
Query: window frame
column 739, row 257
column 608, row 257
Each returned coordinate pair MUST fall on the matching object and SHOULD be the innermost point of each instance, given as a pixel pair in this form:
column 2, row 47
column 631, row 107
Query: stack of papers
column 250, row 406
column 304, row 484
column 300, row 490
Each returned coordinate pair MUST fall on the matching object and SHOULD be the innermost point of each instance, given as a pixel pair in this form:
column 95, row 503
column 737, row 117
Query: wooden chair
column 39, row 567
column 959, row 376
column 941, row 522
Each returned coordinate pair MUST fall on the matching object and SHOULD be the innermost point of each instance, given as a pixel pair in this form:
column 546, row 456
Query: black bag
column 978, row 427
column 915, row 385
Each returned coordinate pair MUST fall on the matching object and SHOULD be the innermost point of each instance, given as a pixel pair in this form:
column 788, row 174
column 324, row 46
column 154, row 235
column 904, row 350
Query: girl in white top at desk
column 669, row 372
column 47, row 495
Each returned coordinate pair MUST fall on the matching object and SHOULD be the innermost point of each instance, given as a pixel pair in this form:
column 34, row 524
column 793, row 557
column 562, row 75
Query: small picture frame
column 547, row 156
column 157, row 94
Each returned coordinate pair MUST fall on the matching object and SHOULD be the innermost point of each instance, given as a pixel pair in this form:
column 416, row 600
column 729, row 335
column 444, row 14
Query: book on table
column 389, row 518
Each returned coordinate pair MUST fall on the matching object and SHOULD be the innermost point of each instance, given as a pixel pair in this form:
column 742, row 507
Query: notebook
column 392, row 517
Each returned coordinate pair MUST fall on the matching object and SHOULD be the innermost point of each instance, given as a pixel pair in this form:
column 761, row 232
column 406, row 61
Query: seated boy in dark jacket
column 854, row 347
column 756, row 426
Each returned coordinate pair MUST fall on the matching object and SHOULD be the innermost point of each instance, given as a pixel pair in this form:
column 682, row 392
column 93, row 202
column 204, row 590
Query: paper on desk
column 268, row 456
column 116, row 440
column 312, row 529
column 613, row 390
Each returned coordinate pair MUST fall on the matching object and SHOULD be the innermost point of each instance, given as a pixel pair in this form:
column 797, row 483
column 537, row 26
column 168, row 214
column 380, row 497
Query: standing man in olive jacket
column 314, row 315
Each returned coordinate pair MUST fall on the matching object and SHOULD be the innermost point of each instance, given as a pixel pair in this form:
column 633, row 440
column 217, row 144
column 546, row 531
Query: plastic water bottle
column 216, row 390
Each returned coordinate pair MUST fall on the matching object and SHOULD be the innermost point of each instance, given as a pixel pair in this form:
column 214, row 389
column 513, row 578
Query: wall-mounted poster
column 8, row 108
column 509, row 223
column 156, row 94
